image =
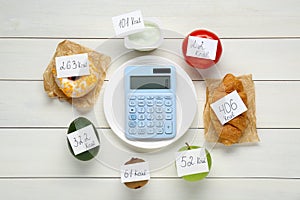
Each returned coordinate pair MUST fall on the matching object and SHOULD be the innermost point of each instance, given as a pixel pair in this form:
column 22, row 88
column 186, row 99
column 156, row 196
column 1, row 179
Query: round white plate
column 114, row 101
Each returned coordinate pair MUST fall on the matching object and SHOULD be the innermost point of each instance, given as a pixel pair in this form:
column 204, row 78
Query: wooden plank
column 76, row 189
column 44, row 153
column 255, row 18
column 265, row 59
column 25, row 104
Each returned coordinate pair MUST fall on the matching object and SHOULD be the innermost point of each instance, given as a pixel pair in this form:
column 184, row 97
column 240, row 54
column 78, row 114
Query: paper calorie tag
column 135, row 172
column 202, row 47
column 228, row 107
column 128, row 23
column 83, row 139
column 73, row 65
column 192, row 161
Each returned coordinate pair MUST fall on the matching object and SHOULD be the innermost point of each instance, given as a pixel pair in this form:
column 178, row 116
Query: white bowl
column 147, row 40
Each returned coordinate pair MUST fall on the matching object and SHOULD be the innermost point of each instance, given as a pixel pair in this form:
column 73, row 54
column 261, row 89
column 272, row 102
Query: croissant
column 232, row 131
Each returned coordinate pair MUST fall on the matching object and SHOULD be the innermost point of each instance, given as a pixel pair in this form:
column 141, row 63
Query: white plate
column 114, row 108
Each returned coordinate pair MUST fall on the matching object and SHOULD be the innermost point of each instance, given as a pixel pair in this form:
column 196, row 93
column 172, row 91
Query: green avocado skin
column 197, row 177
column 75, row 125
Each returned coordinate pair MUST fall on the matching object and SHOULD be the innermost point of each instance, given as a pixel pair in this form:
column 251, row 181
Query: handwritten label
column 202, row 47
column 228, row 107
column 83, row 139
column 128, row 23
column 191, row 162
column 73, row 65
column 135, row 172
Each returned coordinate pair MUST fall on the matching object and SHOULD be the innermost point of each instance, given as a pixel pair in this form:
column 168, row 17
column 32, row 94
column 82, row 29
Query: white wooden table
column 261, row 37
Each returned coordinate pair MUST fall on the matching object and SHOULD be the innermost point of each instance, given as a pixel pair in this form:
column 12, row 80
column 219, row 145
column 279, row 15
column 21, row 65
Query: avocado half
column 75, row 125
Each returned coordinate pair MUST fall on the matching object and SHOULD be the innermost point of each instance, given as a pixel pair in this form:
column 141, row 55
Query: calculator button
column 168, row 116
column 168, row 109
column 150, row 110
column 150, row 97
column 168, row 127
column 159, row 123
column 158, row 97
column 132, row 97
column 141, row 124
column 150, row 103
column 141, row 117
column 132, row 117
column 159, row 131
column 141, row 109
column 141, row 103
column 159, row 117
column 132, row 103
column 150, row 116
column 159, row 102
column 141, row 131
column 132, row 131
column 132, row 124
column 141, row 97
column 150, row 130
column 168, row 97
column 132, row 110
column 159, row 109
column 168, row 102
column 150, row 123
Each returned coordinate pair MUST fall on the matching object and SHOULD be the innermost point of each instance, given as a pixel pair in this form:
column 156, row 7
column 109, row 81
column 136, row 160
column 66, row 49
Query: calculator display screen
column 150, row 82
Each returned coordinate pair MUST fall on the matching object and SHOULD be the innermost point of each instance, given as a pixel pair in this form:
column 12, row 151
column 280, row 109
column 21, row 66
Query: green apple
column 75, row 125
column 199, row 176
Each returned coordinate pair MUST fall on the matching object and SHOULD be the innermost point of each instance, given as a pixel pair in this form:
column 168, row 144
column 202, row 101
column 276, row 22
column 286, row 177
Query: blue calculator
column 150, row 102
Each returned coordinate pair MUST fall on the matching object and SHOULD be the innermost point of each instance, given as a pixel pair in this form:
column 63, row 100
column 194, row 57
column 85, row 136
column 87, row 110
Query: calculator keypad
column 151, row 116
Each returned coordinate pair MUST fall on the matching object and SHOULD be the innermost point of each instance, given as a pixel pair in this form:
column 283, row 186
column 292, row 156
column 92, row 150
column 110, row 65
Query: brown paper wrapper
column 99, row 60
column 250, row 133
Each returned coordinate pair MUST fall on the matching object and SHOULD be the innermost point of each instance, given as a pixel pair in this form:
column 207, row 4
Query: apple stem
column 189, row 147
